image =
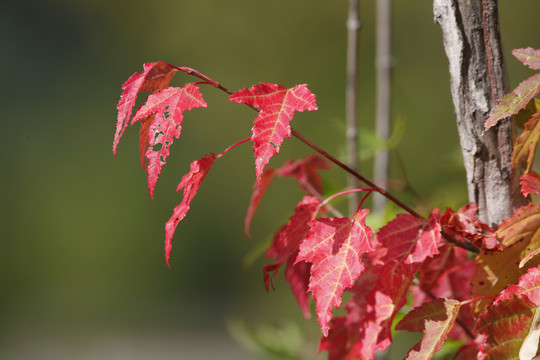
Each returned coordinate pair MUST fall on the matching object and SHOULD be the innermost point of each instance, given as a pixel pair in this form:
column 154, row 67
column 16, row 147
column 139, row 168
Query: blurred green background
column 82, row 271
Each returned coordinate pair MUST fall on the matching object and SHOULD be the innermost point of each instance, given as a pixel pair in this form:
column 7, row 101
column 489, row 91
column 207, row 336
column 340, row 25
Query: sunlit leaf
column 155, row 76
column 190, row 183
column 166, row 109
column 334, row 246
column 277, row 106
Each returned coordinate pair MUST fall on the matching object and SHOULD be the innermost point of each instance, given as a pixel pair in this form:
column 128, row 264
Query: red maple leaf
column 190, row 183
column 166, row 111
column 277, row 106
column 343, row 340
column 530, row 184
column 334, row 246
column 297, row 275
column 306, row 172
column 408, row 241
column 259, row 189
column 447, row 274
column 288, row 238
column 155, row 76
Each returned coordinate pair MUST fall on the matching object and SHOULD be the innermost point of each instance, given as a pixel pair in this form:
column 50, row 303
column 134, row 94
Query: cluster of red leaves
column 490, row 303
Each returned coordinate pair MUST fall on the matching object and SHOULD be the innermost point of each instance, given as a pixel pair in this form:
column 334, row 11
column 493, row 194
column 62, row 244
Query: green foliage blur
column 82, row 269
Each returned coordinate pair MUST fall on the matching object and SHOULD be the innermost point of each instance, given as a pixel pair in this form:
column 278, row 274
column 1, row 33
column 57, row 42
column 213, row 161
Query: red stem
column 355, row 174
column 233, row 146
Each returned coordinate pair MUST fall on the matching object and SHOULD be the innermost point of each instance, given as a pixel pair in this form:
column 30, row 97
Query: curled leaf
column 530, row 184
column 155, row 76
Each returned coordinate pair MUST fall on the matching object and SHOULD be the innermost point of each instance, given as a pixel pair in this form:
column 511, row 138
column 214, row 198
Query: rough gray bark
column 477, row 80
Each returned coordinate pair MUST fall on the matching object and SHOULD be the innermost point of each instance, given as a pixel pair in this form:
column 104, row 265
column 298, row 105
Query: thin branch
column 353, row 26
column 233, row 146
column 383, row 60
column 355, row 174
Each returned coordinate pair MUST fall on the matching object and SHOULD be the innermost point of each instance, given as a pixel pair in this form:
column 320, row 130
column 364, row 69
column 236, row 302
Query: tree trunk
column 477, row 80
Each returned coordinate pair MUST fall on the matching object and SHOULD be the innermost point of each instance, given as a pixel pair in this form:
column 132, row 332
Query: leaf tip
column 168, row 245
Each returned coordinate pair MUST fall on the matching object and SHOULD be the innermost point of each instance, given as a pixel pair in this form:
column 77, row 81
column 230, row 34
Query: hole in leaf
column 157, row 147
column 157, row 134
column 166, row 115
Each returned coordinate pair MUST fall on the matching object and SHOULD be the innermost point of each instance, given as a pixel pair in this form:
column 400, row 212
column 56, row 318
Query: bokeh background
column 82, row 271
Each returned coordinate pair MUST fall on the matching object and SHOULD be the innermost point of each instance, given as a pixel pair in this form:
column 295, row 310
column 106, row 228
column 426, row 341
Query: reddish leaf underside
column 464, row 223
column 277, row 106
column 190, row 183
column 383, row 303
column 411, row 239
column 513, row 102
column 526, row 143
column 165, row 110
column 155, row 76
column 435, row 319
column 343, row 340
column 306, row 172
column 334, row 246
column 288, row 238
column 528, row 56
column 259, row 189
column 447, row 275
column 530, row 184
column 297, row 275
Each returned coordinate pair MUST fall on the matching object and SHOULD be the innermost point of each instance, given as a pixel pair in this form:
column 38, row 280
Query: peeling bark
column 478, row 79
